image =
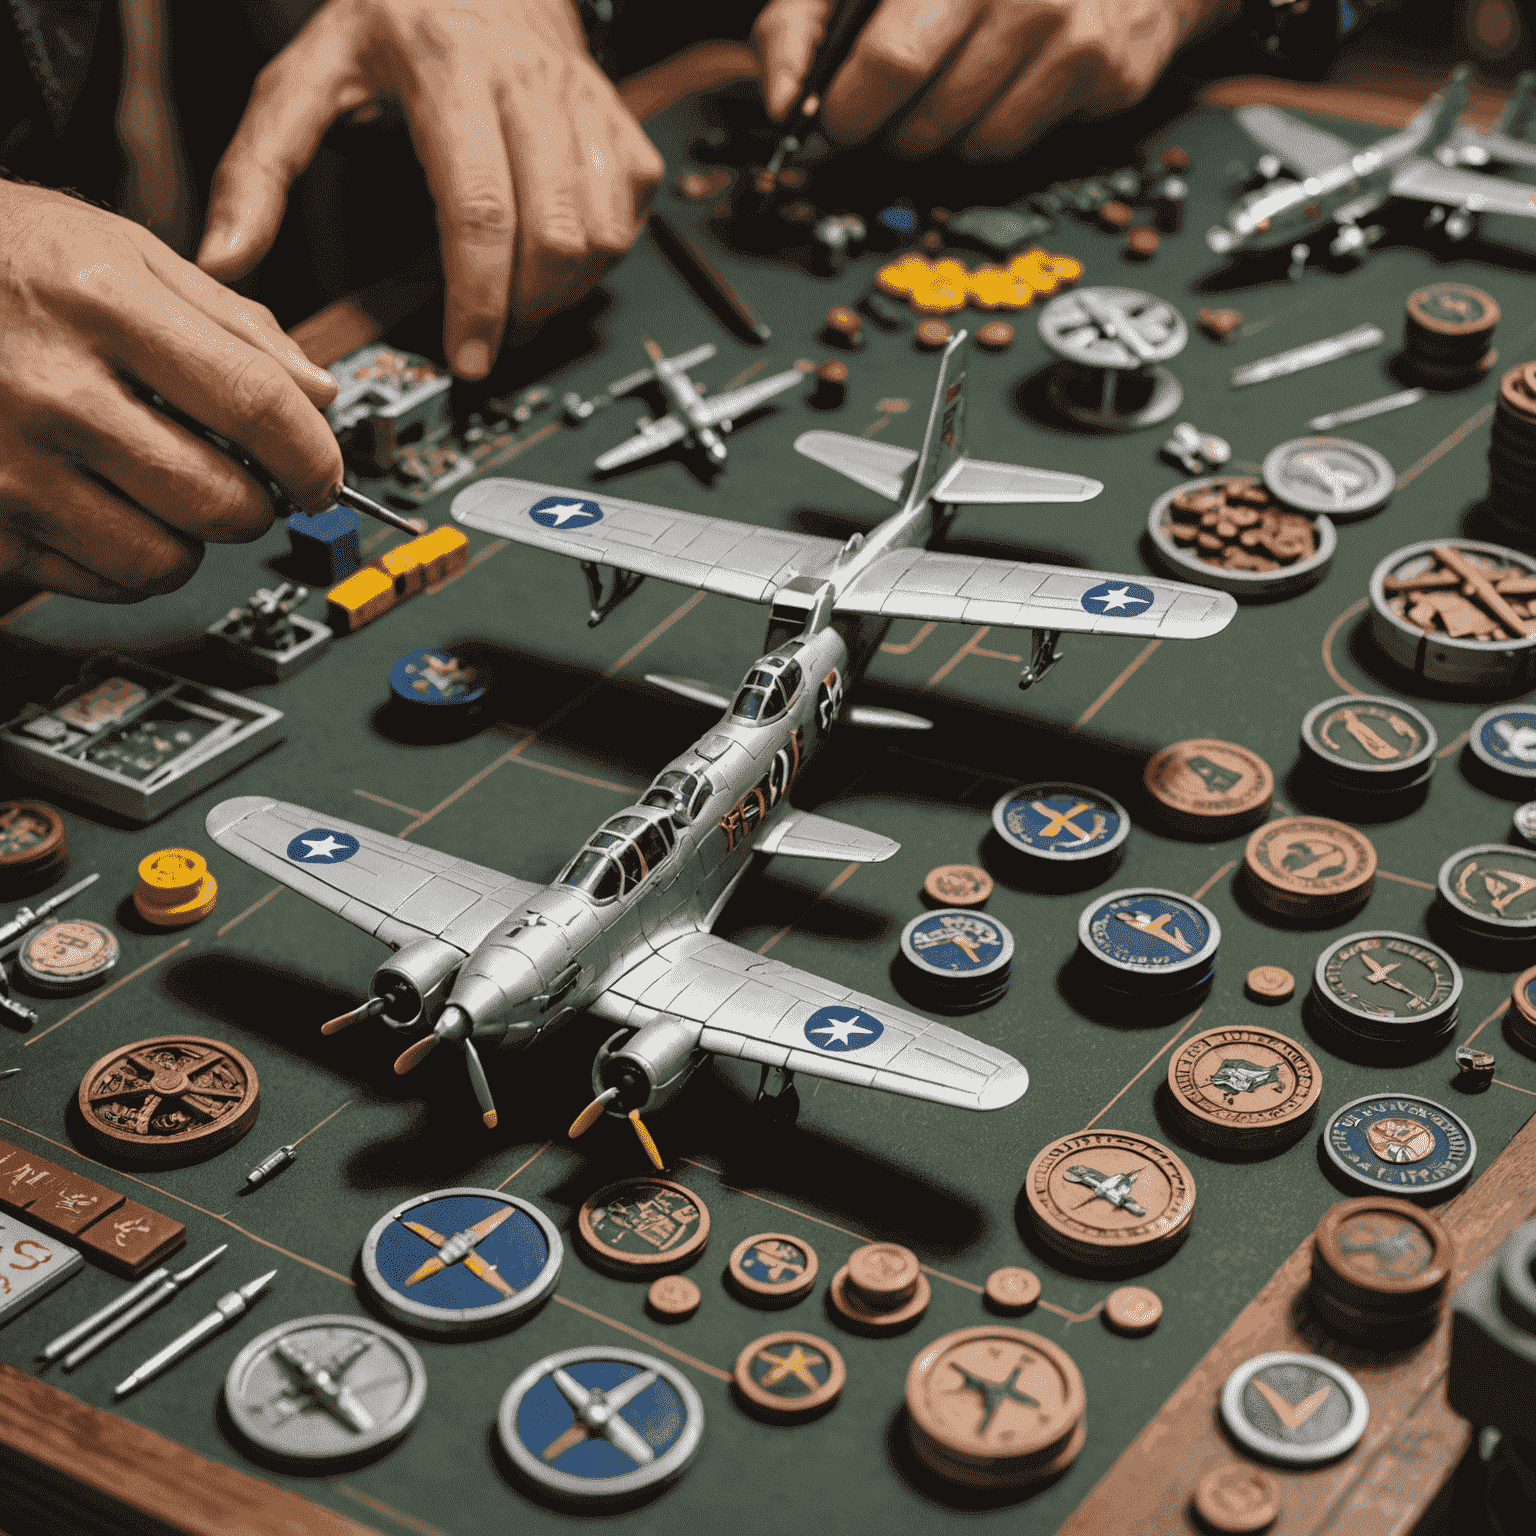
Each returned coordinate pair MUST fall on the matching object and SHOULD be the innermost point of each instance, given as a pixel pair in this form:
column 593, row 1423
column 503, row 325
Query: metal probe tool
column 232, row 1305
column 146, row 1304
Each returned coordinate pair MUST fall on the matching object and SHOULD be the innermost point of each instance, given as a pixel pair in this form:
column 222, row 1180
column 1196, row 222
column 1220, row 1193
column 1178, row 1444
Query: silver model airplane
column 1115, row 1188
column 1339, row 186
column 624, row 931
column 693, row 421
column 320, row 1385
column 1505, row 143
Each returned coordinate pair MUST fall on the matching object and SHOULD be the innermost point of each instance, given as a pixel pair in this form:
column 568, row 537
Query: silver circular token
column 957, row 944
column 1388, row 985
column 1060, row 822
column 68, row 954
column 1491, row 888
column 327, row 1389
column 1329, row 474
column 600, row 1423
column 1085, row 326
column 1149, row 937
column 462, row 1260
column 1504, row 739
column 1370, row 743
column 1240, row 583
column 1400, row 1144
column 1525, row 822
column 1295, row 1409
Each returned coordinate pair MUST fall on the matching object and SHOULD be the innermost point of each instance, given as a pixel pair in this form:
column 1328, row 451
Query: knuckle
column 156, row 564
column 234, row 511
column 559, row 240
column 258, row 391
column 901, row 58
column 482, row 215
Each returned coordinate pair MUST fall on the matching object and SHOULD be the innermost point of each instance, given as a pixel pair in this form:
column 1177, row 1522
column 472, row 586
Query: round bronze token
column 958, row 885
column 882, row 1275
column 169, row 1100
column 1012, row 1289
column 1453, row 309
column 33, row 848
column 1141, row 241
column 789, row 1374
column 1517, row 389
column 1211, row 788
column 639, row 1226
column 933, row 334
column 1244, row 1087
column 1133, row 1309
column 993, row 1394
column 1384, row 1252
column 68, row 955
column 772, row 1268
column 846, row 1303
column 1237, row 1499
column 673, row 1297
column 1110, row 1197
column 1270, row 984
column 1309, row 866
column 994, row 336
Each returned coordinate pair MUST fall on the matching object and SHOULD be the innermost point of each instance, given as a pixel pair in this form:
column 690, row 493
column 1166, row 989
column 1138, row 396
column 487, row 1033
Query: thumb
column 785, row 35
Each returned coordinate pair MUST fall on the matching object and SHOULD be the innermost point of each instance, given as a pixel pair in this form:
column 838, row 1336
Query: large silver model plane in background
column 1340, row 186
column 624, row 932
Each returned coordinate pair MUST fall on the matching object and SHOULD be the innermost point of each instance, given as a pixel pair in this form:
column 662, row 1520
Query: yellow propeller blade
column 414, row 1055
column 646, row 1140
column 589, row 1116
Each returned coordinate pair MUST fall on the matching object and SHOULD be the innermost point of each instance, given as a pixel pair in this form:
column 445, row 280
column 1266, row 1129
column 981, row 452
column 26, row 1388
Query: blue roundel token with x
column 1125, row 598
column 843, row 1029
column 565, row 512
column 322, row 846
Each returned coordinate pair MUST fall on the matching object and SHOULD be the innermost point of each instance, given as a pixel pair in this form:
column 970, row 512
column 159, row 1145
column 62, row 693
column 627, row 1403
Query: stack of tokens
column 955, row 961
column 831, row 385
column 1388, row 989
column 1205, row 788
column 1521, row 1017
column 1448, row 336
column 33, row 849
column 1503, row 740
column 1148, row 942
column 174, row 888
column 844, row 327
column 1062, row 829
column 1332, row 475
column 1243, row 1088
column 1488, row 892
column 881, row 1289
column 1368, row 745
column 1380, row 1268
column 1512, row 448
column 1309, row 869
column 996, row 1407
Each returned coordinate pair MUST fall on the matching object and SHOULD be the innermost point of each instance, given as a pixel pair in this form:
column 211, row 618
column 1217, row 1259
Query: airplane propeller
column 594, row 1112
column 454, row 1027
column 369, row 1010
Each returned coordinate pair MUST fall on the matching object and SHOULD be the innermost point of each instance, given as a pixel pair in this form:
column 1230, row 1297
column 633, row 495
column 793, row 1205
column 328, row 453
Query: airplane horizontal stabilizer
column 967, row 589
column 878, row 467
column 651, row 438
column 735, row 403
column 803, row 835
column 976, row 482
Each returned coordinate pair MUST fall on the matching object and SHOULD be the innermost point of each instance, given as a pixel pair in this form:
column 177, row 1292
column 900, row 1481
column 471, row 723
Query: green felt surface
column 580, row 731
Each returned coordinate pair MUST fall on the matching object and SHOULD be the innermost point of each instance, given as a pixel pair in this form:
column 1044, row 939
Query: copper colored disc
column 1270, row 983
column 1517, row 389
column 1240, row 1086
column 30, row 834
column 933, row 334
column 169, row 1100
column 949, row 1402
column 772, row 1267
column 882, row 1274
column 958, row 885
column 1309, row 866
column 1378, row 1251
column 673, row 1297
column 1133, row 1309
column 866, row 1319
column 643, row 1225
column 994, row 336
column 789, row 1374
column 1013, row 1290
column 1237, row 1499
column 1219, row 324
column 1214, row 787
column 1142, row 240
column 1176, row 159
column 1116, row 215
column 1005, row 1475
column 1453, row 309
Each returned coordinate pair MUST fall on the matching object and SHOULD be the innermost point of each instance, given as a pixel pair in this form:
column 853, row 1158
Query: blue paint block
column 326, row 548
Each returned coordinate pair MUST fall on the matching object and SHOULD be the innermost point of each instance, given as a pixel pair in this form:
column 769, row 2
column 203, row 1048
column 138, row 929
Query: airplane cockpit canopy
column 768, row 689
column 619, row 857
column 681, row 794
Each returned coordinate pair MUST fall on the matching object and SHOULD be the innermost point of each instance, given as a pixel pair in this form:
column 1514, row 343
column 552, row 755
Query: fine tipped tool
column 705, row 276
column 10, row 1072
column 27, row 916
column 231, row 1306
column 147, row 1302
column 843, row 28
column 347, row 497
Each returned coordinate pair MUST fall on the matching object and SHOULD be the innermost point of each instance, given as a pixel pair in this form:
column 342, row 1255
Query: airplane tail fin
column 1516, row 116
column 944, row 439
column 1438, row 120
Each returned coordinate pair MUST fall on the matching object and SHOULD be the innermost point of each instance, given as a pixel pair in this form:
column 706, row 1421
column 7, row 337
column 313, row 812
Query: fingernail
column 472, row 360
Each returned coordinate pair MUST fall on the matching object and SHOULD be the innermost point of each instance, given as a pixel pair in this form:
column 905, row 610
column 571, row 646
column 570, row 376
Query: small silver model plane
column 322, row 1385
column 1115, row 1188
column 1339, row 186
column 693, row 421
column 624, row 932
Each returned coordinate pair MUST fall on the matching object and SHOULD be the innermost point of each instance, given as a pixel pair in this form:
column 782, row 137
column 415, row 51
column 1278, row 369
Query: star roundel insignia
column 565, row 512
column 320, row 845
column 1125, row 598
column 842, row 1029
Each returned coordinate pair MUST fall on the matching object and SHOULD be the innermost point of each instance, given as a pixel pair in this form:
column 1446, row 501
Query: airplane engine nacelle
column 648, row 1067
column 412, row 977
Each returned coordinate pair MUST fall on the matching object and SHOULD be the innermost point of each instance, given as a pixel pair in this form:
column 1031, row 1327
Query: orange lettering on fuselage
column 754, row 806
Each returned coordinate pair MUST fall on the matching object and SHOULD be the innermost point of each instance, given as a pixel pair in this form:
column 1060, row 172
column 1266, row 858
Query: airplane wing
column 711, row 553
column 395, row 890
column 762, row 1010
column 651, row 438
column 878, row 467
column 690, row 360
column 926, row 584
column 976, row 482
column 1431, row 182
column 1306, row 150
column 737, row 402
column 802, row 835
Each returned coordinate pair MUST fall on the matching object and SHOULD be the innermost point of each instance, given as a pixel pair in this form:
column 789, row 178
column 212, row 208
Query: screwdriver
column 843, row 27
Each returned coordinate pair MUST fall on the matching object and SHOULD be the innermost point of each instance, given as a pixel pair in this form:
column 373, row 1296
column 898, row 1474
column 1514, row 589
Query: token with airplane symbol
column 1061, row 823
column 1243, row 1088
column 1490, row 890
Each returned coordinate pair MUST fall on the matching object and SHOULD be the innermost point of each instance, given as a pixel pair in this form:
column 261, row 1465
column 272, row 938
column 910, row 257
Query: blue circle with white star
column 321, row 845
column 1123, row 599
column 957, row 944
column 565, row 512
column 842, row 1029
column 1505, row 739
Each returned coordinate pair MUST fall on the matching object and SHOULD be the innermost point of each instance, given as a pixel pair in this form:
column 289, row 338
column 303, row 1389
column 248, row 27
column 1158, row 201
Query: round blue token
column 956, row 945
column 1145, row 936
column 437, row 678
column 1505, row 740
column 1400, row 1144
column 462, row 1259
column 1065, row 823
column 599, row 1422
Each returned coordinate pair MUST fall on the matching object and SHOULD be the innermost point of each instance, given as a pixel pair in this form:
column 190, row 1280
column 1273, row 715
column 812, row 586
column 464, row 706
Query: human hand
column 101, row 495
column 991, row 75
column 541, row 176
